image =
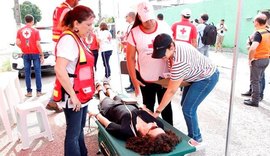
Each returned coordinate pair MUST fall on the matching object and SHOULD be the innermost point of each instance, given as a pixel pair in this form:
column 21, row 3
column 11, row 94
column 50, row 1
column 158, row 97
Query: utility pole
column 17, row 13
column 99, row 10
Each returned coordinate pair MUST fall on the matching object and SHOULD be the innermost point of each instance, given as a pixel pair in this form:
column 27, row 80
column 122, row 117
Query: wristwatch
column 157, row 111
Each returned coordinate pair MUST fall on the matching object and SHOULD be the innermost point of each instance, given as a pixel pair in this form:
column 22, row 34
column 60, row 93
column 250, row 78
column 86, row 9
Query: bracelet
column 157, row 111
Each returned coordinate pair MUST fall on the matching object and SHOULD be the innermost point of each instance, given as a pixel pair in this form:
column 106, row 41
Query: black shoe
column 248, row 93
column 261, row 98
column 128, row 87
column 251, row 103
column 130, row 90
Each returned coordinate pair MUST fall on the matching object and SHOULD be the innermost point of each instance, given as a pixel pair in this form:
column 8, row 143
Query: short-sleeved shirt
column 190, row 64
column 262, row 36
column 28, row 37
column 257, row 37
column 184, row 31
column 105, row 38
column 221, row 29
column 200, row 29
column 143, row 42
column 67, row 48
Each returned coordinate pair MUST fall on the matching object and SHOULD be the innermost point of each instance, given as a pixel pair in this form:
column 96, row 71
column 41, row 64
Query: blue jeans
column 106, row 62
column 192, row 97
column 204, row 50
column 95, row 52
column 27, row 61
column 74, row 140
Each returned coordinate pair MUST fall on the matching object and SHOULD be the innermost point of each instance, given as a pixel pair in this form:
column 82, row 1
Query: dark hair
column 261, row 20
column 137, row 21
column 196, row 20
column 79, row 13
column 163, row 143
column 205, row 17
column 186, row 17
column 103, row 26
column 160, row 16
column 222, row 20
column 28, row 18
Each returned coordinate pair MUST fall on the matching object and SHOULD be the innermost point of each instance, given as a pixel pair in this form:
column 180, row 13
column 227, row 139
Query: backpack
column 209, row 34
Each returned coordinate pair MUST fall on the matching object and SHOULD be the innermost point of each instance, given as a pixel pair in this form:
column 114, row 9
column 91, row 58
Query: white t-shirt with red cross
column 150, row 69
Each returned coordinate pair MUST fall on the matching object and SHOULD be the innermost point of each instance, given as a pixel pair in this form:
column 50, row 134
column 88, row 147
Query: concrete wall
column 222, row 9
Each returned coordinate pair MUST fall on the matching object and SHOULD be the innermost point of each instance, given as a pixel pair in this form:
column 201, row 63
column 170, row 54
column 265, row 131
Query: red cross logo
column 145, row 8
column 26, row 33
column 183, row 31
column 151, row 45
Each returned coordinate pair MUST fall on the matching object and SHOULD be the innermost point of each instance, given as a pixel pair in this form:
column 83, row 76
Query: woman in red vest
column 69, row 51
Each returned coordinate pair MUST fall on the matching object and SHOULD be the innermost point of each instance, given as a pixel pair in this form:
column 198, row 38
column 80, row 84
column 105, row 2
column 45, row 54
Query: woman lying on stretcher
column 143, row 133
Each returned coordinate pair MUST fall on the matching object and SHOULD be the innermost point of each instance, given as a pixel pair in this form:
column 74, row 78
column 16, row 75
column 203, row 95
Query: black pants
column 95, row 52
column 149, row 93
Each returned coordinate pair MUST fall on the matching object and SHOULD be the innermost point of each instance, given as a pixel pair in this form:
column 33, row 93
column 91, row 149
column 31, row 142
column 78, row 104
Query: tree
column 29, row 8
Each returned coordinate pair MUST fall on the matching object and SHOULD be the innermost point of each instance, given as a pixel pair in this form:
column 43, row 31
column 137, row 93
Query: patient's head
column 162, row 142
column 150, row 129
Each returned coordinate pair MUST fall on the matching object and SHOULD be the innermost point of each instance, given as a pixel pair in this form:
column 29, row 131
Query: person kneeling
column 142, row 132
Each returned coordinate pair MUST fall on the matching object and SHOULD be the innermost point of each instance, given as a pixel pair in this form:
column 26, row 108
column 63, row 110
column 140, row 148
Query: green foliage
column 109, row 20
column 30, row 8
column 5, row 65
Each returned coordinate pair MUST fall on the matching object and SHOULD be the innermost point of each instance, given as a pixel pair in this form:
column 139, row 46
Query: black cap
column 161, row 43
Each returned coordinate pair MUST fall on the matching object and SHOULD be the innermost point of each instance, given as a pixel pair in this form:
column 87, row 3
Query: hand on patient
column 93, row 112
column 156, row 114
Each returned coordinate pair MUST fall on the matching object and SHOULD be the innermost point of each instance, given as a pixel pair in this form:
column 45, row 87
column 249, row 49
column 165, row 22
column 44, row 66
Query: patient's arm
column 104, row 121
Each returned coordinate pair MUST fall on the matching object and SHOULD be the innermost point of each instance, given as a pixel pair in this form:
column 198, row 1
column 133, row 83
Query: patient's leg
column 100, row 92
column 109, row 90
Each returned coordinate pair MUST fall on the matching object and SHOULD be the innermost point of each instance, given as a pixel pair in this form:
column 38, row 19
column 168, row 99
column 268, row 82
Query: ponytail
column 66, row 22
column 79, row 13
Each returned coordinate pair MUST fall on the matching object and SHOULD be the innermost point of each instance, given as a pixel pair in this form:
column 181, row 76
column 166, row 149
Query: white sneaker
column 197, row 145
column 107, row 79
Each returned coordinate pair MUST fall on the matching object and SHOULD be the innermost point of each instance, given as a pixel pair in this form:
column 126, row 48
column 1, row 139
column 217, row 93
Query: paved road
column 250, row 130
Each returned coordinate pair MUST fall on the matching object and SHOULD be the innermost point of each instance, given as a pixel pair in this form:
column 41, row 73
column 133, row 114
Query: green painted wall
column 222, row 9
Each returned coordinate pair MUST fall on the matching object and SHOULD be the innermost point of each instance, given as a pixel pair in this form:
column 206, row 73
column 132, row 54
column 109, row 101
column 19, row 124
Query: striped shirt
column 150, row 69
column 190, row 64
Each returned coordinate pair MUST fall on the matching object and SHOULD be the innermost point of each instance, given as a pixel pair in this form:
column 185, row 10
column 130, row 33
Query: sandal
column 107, row 86
column 97, row 86
column 98, row 89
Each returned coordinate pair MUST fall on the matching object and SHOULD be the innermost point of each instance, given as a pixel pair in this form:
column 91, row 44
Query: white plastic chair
column 4, row 114
column 22, row 109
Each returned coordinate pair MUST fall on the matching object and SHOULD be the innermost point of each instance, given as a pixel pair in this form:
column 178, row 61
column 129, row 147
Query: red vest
column 83, row 77
column 56, row 29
